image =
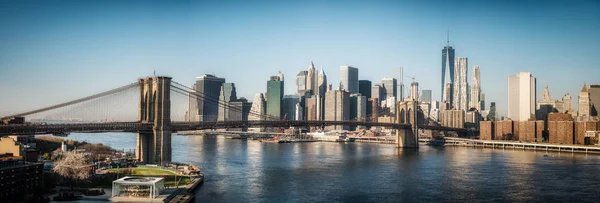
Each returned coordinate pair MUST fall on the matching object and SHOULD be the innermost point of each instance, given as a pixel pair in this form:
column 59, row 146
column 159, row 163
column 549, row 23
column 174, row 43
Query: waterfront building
column 460, row 84
column 322, row 83
column 228, row 94
column 447, row 65
column 473, row 117
column 310, row 110
column 207, row 109
column 425, row 96
column 453, row 118
column 373, row 107
column 337, row 107
column 546, row 105
column 449, row 97
column 425, row 108
column 349, row 79
column 289, row 103
column 299, row 111
column 390, row 86
column 584, row 103
column 240, row 111
column 414, row 90
column 521, row 96
column 301, row 83
column 274, row 96
column 594, row 91
column 475, row 89
column 192, row 112
column 364, row 88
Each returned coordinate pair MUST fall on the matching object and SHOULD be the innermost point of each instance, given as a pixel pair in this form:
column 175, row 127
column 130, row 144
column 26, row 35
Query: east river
column 251, row 171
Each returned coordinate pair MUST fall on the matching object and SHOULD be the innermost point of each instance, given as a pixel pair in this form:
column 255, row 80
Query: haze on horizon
column 55, row 51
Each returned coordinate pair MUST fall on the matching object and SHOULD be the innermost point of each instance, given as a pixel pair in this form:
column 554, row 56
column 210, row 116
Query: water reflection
column 250, row 171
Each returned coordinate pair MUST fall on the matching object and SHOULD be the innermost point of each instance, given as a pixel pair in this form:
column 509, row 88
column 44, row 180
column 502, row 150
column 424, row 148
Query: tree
column 72, row 166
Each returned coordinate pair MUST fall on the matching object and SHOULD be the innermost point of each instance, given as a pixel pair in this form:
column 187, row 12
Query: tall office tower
column 584, row 102
column 274, row 96
column 595, row 100
column 425, row 96
column 228, row 94
column 377, row 91
column 311, row 78
column 460, row 84
column 492, row 114
column 321, row 83
column 448, row 65
column 482, row 102
column 242, row 110
column 299, row 112
column 301, row 83
column 364, row 88
column 414, row 90
column 358, row 107
column 567, row 104
column 310, row 110
column 258, row 109
column 521, row 96
column 373, row 106
column 193, row 105
column 391, row 88
column 475, row 89
column 349, row 79
column 208, row 86
column 448, row 96
column 289, row 103
column 337, row 107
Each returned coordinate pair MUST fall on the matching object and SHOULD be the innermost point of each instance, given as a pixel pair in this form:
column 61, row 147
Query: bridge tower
column 154, row 146
column 406, row 113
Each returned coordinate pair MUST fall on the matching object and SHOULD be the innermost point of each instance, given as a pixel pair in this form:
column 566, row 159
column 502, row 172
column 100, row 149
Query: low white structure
column 142, row 187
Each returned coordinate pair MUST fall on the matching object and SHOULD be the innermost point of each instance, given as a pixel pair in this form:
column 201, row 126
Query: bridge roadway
column 40, row 128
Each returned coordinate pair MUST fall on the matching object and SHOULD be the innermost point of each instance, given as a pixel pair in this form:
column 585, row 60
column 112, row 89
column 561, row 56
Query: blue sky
column 55, row 51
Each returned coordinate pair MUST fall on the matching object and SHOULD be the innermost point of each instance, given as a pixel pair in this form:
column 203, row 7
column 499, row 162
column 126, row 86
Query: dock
column 186, row 193
column 586, row 149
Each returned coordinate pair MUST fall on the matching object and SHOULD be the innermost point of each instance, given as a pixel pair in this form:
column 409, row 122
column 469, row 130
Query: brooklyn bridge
column 157, row 118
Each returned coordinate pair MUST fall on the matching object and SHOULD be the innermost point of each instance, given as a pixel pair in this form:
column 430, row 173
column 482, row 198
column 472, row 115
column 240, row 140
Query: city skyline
column 98, row 51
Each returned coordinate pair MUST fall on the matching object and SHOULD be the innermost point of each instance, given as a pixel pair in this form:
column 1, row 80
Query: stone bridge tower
column 406, row 113
column 154, row 146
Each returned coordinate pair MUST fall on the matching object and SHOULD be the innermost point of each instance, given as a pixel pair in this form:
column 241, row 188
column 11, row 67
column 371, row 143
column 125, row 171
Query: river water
column 250, row 171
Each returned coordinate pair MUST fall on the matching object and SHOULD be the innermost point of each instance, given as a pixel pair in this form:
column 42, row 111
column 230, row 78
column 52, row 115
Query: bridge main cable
column 95, row 96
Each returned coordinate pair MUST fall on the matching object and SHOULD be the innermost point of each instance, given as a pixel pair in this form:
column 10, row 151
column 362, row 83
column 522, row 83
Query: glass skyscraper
column 448, row 64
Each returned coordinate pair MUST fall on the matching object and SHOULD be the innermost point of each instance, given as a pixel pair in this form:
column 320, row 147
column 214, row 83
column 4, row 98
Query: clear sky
column 55, row 51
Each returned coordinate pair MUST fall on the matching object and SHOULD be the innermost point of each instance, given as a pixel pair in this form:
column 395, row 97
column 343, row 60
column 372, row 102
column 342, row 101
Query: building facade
column 460, row 84
column 521, row 96
column 337, row 108
column 228, row 94
column 594, row 91
column 207, row 108
column 390, row 86
column 274, row 96
column 584, row 102
column 425, row 96
column 349, row 79
column 290, row 103
column 475, row 89
column 447, row 67
column 414, row 90
column 364, row 88
column 301, row 83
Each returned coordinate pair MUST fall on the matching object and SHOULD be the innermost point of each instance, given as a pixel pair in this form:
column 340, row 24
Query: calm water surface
column 249, row 171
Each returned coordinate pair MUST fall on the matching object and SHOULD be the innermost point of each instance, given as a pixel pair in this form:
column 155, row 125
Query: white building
column 460, row 84
column 521, row 96
column 349, row 79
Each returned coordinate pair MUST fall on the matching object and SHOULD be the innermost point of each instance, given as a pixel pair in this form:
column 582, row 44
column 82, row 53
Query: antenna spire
column 448, row 36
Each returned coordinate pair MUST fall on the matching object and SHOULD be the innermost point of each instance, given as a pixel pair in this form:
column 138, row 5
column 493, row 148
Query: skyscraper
column 426, row 96
column 321, row 83
column 349, row 79
column 521, row 96
column 358, row 107
column 301, row 83
column 414, row 90
column 492, row 114
column 378, row 92
column 391, row 88
column 364, row 88
column 311, row 78
column 447, row 65
column 193, row 105
column 584, row 102
column 482, row 102
column 274, row 96
column 337, row 107
column 475, row 89
column 258, row 109
column 595, row 100
column 210, row 87
column 289, row 103
column 460, row 84
column 228, row 94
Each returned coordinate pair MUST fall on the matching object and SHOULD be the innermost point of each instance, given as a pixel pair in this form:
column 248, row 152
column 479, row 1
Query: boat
column 61, row 134
column 331, row 137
